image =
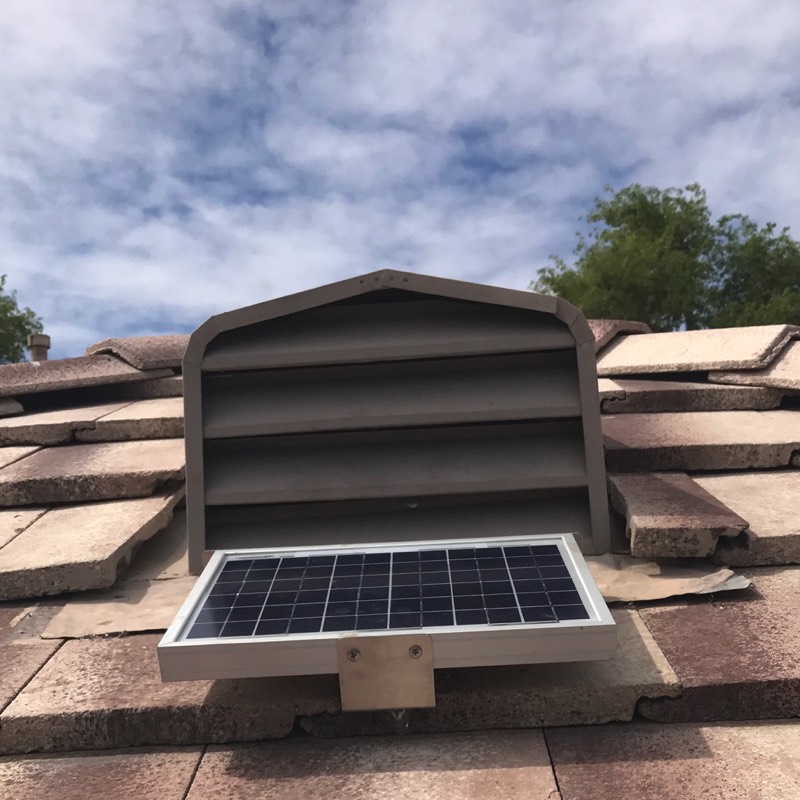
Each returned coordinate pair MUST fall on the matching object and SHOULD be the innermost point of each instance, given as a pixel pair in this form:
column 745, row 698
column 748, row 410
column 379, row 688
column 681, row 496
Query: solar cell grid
column 389, row 590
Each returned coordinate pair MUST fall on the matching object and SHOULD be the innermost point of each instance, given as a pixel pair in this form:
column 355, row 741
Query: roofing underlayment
column 702, row 440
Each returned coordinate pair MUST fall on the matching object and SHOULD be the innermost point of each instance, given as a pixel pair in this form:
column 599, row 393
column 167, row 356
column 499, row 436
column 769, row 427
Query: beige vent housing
column 393, row 407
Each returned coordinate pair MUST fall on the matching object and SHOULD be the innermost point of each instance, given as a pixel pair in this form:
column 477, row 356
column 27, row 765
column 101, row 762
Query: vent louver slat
column 296, row 469
column 397, row 394
column 399, row 519
column 384, row 331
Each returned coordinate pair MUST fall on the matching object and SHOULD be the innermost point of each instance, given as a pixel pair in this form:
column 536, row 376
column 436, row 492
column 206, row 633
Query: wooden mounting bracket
column 386, row 672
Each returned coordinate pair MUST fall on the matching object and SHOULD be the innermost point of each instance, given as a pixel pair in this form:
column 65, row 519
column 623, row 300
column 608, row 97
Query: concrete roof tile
column 87, row 472
column 10, row 455
column 52, row 427
column 782, row 373
column 678, row 762
column 736, row 658
column 49, row 558
column 10, row 616
column 21, row 661
column 107, row 692
column 668, row 515
column 609, row 390
column 145, row 352
column 15, row 520
column 163, row 774
column 21, row 657
column 605, row 330
column 695, row 351
column 158, row 387
column 769, row 501
column 637, row 396
column 459, row 766
column 163, row 556
column 584, row 693
column 69, row 373
column 709, row 441
column 160, row 418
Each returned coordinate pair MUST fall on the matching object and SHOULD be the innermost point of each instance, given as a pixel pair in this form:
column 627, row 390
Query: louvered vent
column 393, row 407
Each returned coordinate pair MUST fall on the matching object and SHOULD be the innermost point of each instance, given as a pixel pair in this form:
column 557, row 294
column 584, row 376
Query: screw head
column 415, row 651
column 353, row 654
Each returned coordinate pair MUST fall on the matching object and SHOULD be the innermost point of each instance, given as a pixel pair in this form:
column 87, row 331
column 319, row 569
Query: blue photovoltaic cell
column 392, row 590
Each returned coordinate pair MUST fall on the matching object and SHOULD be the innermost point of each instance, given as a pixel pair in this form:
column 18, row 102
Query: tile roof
column 639, row 761
column 53, row 427
column 10, row 455
column 769, row 502
column 157, row 418
column 477, row 764
column 46, row 557
column 20, row 658
column 669, row 515
column 625, row 396
column 125, row 704
column 682, row 422
column 579, row 693
column 79, row 473
column 145, row 352
column 782, row 373
column 695, row 440
column 702, row 435
column 14, row 520
column 695, row 351
column 605, row 330
column 70, row 373
column 747, row 667
column 159, row 774
column 677, row 762
column 170, row 386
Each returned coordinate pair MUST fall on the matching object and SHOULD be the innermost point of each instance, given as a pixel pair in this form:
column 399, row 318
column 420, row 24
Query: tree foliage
column 15, row 325
column 656, row 255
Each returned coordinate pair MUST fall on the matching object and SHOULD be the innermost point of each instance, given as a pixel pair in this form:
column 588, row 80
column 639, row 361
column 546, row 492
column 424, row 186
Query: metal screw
column 415, row 651
column 353, row 654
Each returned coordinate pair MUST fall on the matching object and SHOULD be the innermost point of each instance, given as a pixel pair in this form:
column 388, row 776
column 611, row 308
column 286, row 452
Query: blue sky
column 164, row 161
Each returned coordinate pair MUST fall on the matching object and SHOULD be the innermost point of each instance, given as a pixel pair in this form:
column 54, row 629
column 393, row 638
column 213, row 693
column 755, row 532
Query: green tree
column 755, row 276
column 15, row 325
column 656, row 255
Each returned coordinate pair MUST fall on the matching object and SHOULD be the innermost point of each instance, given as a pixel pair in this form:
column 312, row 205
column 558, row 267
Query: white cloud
column 165, row 161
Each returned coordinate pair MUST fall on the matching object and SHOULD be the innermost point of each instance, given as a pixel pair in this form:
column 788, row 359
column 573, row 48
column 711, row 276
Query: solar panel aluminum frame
column 453, row 646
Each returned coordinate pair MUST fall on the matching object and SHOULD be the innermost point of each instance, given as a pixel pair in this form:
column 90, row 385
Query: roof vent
column 392, row 457
column 38, row 344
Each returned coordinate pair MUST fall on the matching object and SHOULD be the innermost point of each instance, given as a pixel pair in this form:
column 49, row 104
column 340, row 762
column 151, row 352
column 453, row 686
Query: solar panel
column 302, row 599
column 389, row 591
